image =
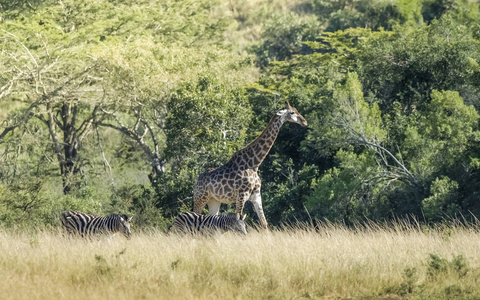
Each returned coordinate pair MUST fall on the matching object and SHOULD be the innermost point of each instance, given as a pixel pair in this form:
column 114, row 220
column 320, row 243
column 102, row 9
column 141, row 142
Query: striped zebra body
column 83, row 224
column 191, row 222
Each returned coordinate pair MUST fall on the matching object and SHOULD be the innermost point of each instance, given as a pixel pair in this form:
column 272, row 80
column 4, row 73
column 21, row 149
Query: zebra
column 83, row 224
column 191, row 222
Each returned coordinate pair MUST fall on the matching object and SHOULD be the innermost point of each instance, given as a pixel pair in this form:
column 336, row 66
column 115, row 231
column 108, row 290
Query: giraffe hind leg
column 240, row 203
column 199, row 202
column 200, row 194
column 256, row 199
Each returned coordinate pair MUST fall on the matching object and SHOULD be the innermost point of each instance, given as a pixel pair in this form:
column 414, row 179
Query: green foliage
column 145, row 210
column 92, row 22
column 462, row 10
column 343, row 193
column 174, row 191
column 35, row 203
column 340, row 15
column 349, row 118
column 441, row 136
column 286, row 193
column 138, row 201
column 409, row 284
column 412, row 62
column 438, row 266
column 449, row 119
column 283, row 37
column 20, row 204
column 206, row 124
column 443, row 192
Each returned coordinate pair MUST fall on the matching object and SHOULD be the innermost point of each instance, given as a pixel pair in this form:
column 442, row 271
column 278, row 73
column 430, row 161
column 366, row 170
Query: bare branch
column 87, row 123
column 152, row 155
column 359, row 137
column 18, row 122
column 23, row 45
column 155, row 143
column 53, row 135
column 105, row 161
column 7, row 88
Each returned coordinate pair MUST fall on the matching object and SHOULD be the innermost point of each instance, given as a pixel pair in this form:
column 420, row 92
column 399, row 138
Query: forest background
column 114, row 105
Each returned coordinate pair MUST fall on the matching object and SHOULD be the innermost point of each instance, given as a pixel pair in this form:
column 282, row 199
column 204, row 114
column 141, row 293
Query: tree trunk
column 158, row 167
column 70, row 146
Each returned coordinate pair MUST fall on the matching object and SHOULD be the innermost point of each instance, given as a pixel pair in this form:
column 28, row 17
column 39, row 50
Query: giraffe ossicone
column 237, row 181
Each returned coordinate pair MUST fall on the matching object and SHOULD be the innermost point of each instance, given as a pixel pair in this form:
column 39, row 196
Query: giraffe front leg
column 256, row 199
column 240, row 202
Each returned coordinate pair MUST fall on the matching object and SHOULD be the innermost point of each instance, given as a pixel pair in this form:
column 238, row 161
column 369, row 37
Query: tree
column 348, row 120
column 435, row 143
column 340, row 15
column 79, row 68
column 38, row 79
column 205, row 125
column 283, row 37
column 141, row 77
column 406, row 65
column 462, row 10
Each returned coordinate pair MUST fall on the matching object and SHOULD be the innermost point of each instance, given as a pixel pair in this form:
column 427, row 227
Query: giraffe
column 237, row 181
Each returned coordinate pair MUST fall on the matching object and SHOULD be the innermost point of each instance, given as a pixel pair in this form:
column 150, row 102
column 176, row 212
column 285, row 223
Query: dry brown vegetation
column 334, row 262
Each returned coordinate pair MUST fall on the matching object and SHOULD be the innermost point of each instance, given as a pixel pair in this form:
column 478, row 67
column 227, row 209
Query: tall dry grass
column 335, row 262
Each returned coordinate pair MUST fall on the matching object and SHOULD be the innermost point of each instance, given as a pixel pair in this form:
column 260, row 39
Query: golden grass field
column 378, row 262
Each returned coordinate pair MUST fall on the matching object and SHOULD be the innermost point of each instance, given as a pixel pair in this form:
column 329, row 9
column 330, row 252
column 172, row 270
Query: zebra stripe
column 83, row 224
column 191, row 222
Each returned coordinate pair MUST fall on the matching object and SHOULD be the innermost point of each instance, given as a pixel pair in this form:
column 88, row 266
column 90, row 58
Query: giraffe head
column 292, row 115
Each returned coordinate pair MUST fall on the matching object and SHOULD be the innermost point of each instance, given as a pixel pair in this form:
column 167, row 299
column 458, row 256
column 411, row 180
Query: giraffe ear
column 243, row 217
column 129, row 219
column 281, row 112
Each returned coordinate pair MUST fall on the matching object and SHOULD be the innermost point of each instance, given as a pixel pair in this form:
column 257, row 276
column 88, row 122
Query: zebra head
column 124, row 223
column 238, row 224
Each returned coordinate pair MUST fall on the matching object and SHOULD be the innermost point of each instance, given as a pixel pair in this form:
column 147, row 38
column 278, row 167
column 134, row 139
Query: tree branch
column 361, row 139
column 105, row 161
column 53, row 135
column 18, row 122
column 155, row 162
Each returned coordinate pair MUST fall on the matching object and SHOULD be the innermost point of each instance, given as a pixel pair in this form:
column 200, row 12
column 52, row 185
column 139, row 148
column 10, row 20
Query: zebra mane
column 233, row 216
column 123, row 216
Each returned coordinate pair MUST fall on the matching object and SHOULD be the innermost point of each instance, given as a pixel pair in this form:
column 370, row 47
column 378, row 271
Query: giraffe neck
column 252, row 156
